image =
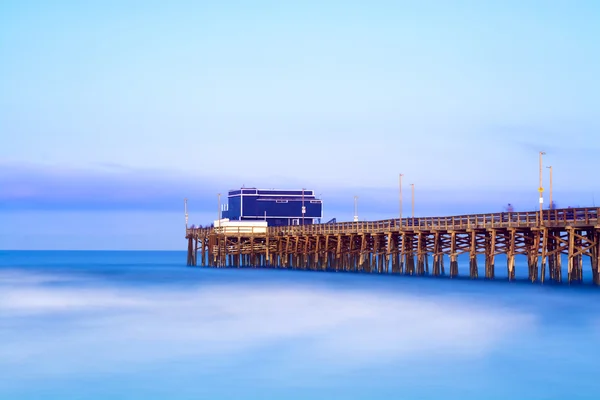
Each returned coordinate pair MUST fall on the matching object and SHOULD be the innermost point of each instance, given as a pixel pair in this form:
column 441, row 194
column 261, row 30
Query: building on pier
column 277, row 207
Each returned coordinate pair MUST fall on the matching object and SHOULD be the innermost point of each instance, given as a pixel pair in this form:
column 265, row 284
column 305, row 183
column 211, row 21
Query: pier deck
column 408, row 246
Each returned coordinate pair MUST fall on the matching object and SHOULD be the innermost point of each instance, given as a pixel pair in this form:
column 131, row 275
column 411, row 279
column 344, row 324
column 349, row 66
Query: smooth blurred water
column 141, row 325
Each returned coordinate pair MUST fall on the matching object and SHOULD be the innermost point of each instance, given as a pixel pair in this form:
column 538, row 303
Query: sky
column 112, row 112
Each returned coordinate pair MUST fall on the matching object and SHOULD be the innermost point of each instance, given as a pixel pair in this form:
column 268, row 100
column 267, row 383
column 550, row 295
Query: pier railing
column 559, row 218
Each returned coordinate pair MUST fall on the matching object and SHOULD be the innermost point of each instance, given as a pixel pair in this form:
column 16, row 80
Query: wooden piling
column 386, row 247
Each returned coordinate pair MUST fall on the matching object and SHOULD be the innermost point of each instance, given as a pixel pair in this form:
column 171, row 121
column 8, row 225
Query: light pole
column 551, row 205
column 412, row 186
column 355, row 209
column 400, row 183
column 186, row 214
column 541, row 189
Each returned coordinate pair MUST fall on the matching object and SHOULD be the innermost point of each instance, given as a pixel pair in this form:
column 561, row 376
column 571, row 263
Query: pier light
column 400, row 183
column 412, row 186
column 186, row 212
column 541, row 188
column 550, row 197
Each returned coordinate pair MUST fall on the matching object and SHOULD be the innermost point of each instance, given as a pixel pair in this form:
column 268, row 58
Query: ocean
column 142, row 325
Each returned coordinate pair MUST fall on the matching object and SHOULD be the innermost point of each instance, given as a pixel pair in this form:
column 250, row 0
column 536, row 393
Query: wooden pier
column 415, row 246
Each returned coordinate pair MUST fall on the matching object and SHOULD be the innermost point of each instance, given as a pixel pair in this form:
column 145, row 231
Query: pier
column 414, row 246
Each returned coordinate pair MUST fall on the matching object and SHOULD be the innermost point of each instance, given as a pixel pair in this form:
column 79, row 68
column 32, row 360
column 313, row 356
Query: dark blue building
column 277, row 207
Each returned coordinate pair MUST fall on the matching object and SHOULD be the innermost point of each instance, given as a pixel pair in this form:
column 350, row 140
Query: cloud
column 114, row 187
column 531, row 139
column 104, row 187
column 109, row 327
column 117, row 187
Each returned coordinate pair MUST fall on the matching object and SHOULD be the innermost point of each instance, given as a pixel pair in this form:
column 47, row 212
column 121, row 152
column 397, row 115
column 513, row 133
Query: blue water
column 141, row 325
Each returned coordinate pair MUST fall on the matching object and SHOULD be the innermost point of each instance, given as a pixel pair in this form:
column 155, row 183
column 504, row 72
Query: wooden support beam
column 389, row 246
column 453, row 255
column 437, row 254
column 326, row 254
column 473, row 270
column 190, row 250
column 204, row 250
column 544, row 244
column 338, row 253
column 510, row 256
column 267, row 252
column 363, row 253
column 409, row 251
column 402, row 246
column 570, row 260
column 490, row 271
column 252, row 254
column 595, row 257
column 386, row 246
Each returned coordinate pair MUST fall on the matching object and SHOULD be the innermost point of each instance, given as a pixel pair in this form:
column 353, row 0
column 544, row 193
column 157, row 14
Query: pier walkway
column 414, row 246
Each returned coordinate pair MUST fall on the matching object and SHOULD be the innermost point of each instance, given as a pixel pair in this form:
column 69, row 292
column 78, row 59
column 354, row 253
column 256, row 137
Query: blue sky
column 112, row 112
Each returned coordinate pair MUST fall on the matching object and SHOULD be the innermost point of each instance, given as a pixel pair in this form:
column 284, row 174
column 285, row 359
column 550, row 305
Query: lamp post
column 541, row 189
column 186, row 213
column 355, row 209
column 400, row 183
column 551, row 204
column 412, row 186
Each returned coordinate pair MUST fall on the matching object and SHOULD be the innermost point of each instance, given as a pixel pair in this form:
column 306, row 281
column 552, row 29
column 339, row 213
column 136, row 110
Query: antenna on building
column 186, row 213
